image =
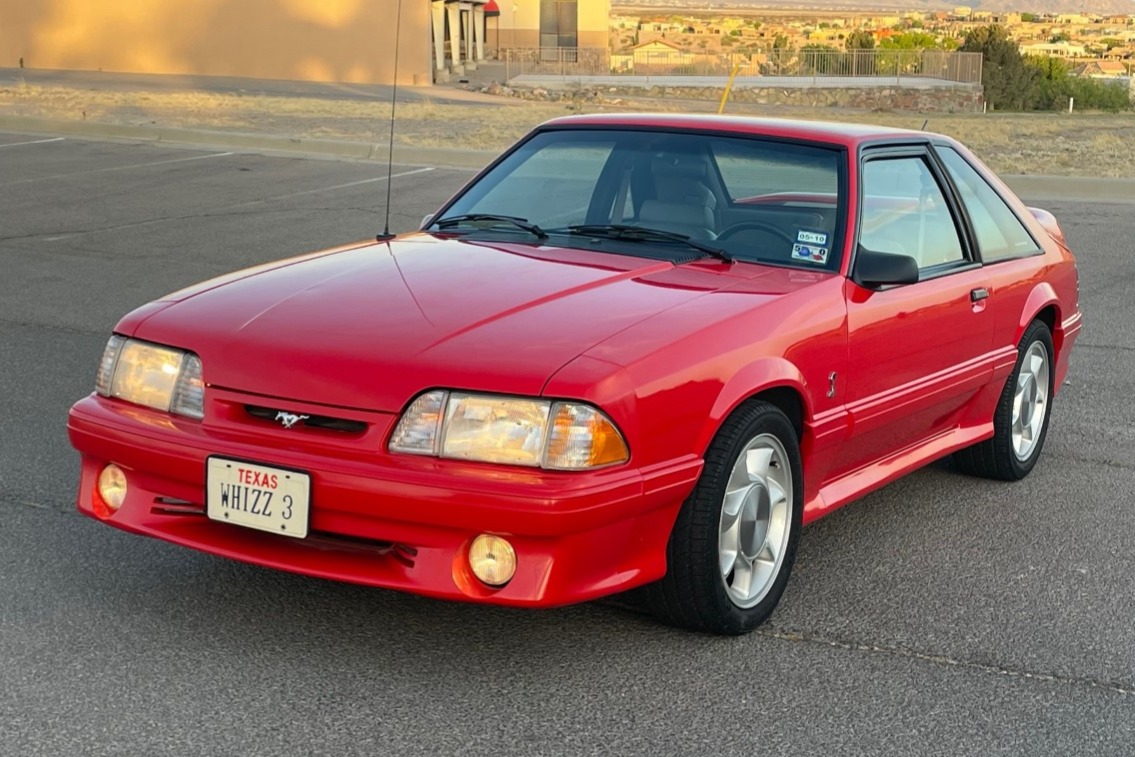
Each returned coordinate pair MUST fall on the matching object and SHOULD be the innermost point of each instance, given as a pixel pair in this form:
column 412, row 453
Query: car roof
column 815, row 131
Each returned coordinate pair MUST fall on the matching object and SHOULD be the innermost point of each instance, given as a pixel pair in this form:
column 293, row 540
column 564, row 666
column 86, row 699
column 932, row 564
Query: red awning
column 492, row 9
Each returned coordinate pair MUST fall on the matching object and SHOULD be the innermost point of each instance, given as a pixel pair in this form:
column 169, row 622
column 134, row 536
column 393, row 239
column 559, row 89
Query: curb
column 269, row 143
column 1030, row 187
column 1071, row 188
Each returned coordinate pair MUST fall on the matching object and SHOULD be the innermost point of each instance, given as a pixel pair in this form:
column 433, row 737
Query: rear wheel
column 735, row 539
column 1020, row 423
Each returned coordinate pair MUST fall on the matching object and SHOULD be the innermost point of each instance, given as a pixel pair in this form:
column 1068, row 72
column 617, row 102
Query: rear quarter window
column 1000, row 234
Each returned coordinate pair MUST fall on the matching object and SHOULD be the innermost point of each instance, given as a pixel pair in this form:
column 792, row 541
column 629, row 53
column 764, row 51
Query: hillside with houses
column 1094, row 7
column 1092, row 45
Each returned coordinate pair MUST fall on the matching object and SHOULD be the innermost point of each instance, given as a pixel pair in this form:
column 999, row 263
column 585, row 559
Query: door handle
column 979, row 294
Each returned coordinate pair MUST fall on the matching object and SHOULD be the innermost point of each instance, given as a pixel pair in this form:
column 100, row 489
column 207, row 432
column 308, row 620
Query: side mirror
column 426, row 220
column 879, row 269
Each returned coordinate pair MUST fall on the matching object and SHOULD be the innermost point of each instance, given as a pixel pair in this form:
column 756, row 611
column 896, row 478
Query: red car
column 635, row 351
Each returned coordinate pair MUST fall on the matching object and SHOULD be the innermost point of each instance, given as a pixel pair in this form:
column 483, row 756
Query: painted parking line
column 33, row 142
column 228, row 208
column 118, row 168
column 342, row 186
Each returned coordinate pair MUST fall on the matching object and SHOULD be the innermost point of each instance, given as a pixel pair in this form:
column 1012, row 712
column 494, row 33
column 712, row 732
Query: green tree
column 1009, row 82
column 860, row 39
column 1030, row 18
column 1056, row 84
column 911, row 41
column 860, row 60
column 904, row 52
column 821, row 59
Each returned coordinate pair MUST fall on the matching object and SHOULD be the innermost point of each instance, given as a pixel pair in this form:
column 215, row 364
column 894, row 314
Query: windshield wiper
column 645, row 234
column 520, row 223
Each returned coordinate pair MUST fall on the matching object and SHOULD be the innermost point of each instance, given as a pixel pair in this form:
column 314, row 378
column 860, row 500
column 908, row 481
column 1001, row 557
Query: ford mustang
column 635, row 352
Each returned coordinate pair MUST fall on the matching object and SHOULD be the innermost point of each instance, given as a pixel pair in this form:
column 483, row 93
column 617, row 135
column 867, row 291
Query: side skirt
column 852, row 486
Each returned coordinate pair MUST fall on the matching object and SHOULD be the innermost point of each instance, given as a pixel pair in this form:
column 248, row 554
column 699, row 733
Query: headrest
column 678, row 166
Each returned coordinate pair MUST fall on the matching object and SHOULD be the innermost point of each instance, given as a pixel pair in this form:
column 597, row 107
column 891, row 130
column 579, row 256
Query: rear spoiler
column 1050, row 224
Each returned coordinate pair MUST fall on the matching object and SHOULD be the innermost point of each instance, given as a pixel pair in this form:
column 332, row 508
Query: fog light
column 492, row 559
column 112, row 486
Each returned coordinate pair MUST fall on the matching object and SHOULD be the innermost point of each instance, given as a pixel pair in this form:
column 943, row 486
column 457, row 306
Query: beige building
column 307, row 40
column 1102, row 69
column 554, row 23
column 659, row 52
column 310, row 40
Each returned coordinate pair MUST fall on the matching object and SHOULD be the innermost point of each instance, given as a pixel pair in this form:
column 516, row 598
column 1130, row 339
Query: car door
column 1012, row 258
column 919, row 353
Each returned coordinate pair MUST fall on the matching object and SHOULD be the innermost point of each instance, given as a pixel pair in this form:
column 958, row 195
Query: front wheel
column 1020, row 423
column 734, row 542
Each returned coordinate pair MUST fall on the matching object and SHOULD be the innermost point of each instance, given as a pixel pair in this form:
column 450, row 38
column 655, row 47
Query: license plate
column 257, row 496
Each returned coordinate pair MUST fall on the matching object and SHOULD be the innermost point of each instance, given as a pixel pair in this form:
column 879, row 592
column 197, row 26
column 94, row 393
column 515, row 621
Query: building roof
column 658, row 41
column 1110, row 67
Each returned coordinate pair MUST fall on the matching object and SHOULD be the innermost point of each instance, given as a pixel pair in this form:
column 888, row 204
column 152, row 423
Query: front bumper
column 392, row 521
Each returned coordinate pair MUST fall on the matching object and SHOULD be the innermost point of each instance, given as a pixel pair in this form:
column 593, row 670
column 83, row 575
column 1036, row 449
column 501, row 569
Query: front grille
column 325, row 422
column 403, row 553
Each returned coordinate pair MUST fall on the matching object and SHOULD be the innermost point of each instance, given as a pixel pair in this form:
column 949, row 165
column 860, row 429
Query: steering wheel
column 758, row 226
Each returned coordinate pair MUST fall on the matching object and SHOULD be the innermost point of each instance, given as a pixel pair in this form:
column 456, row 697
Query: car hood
column 371, row 326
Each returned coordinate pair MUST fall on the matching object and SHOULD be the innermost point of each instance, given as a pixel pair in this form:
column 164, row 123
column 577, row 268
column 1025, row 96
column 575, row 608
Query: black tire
column 693, row 593
column 997, row 457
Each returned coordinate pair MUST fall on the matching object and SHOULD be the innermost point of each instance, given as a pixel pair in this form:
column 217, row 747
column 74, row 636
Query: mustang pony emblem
column 290, row 419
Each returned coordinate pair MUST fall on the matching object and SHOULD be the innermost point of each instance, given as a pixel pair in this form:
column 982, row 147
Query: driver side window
column 905, row 212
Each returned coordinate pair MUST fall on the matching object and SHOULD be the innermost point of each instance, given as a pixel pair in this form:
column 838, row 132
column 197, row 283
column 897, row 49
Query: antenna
column 386, row 235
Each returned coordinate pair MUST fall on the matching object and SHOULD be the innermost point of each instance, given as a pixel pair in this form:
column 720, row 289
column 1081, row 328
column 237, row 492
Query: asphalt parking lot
column 942, row 615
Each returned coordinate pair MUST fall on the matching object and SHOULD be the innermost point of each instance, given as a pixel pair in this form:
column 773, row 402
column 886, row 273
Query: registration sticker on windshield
column 810, row 252
column 812, row 237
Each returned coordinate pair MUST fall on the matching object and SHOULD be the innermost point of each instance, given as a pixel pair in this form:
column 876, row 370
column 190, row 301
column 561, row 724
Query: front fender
column 756, row 377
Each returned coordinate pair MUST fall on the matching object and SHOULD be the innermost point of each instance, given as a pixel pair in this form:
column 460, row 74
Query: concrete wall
column 519, row 23
column 310, row 40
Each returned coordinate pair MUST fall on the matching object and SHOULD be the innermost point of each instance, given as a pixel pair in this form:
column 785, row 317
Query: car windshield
column 753, row 199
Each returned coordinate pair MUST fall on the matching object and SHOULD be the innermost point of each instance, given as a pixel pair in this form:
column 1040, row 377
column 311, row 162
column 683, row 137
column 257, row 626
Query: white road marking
column 342, row 186
column 120, row 168
column 250, row 202
column 34, row 142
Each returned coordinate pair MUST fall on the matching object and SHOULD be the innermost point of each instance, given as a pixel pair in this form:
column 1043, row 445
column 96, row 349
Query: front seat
column 680, row 177
column 683, row 203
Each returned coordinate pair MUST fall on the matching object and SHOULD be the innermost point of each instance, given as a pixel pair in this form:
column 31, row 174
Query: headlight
column 510, row 430
column 148, row 374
